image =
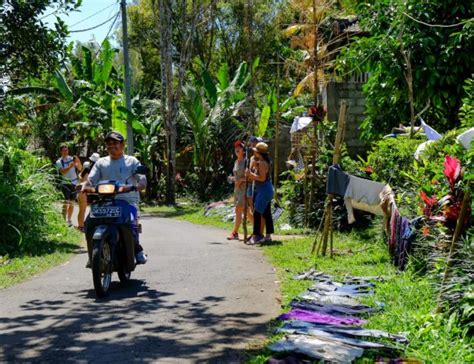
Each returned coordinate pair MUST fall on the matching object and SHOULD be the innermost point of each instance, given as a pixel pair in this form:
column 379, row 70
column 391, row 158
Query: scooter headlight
column 106, row 189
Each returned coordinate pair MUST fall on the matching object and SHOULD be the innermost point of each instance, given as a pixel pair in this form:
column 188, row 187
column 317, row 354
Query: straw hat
column 261, row 148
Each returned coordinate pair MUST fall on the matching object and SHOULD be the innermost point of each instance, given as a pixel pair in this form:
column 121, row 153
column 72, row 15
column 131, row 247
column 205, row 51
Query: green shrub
column 27, row 195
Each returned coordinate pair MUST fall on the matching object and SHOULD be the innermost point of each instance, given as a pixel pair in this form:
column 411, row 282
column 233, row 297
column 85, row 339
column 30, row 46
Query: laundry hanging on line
column 430, row 133
column 466, row 138
column 359, row 193
column 299, row 123
column 365, row 194
column 402, row 235
column 337, row 181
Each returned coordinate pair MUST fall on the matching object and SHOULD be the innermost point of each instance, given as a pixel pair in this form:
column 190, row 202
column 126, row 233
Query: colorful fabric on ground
column 318, row 349
column 321, row 318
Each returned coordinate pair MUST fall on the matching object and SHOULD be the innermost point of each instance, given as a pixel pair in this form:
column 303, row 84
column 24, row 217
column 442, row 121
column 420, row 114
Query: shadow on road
column 133, row 323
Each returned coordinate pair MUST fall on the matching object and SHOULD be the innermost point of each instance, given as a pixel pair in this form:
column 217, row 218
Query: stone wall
column 351, row 90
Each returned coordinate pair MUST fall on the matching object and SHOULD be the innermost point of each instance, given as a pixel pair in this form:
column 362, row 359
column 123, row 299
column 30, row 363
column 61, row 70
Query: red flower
column 317, row 112
column 430, row 203
column 369, row 169
column 452, row 169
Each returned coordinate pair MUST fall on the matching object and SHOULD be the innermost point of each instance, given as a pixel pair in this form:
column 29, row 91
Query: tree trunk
column 409, row 79
column 248, row 36
column 171, row 85
column 165, row 26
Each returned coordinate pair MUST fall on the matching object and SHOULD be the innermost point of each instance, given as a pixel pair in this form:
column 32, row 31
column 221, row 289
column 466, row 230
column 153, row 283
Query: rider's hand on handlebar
column 127, row 188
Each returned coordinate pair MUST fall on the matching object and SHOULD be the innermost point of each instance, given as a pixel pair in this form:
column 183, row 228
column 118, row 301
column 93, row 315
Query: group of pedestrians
column 72, row 172
column 253, row 190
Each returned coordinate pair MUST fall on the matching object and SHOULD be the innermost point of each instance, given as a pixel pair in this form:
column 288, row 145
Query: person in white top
column 67, row 166
column 82, row 198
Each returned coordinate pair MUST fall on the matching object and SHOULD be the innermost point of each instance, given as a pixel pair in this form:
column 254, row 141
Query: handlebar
column 120, row 189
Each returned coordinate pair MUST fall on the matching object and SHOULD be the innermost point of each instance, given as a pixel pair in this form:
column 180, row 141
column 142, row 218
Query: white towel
column 466, row 138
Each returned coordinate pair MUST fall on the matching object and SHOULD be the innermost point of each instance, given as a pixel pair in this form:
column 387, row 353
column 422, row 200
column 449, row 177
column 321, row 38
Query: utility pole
column 127, row 80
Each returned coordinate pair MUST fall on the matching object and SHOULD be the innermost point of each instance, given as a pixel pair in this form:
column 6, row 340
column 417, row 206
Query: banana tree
column 93, row 82
column 149, row 147
column 209, row 108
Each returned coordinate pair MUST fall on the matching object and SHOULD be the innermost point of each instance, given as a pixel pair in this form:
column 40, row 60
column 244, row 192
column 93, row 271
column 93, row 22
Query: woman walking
column 239, row 188
column 263, row 193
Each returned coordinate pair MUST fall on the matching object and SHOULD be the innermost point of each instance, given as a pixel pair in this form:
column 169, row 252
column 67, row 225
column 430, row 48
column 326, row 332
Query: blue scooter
column 109, row 233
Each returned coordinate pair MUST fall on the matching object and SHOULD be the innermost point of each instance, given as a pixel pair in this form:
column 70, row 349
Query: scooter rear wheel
column 101, row 267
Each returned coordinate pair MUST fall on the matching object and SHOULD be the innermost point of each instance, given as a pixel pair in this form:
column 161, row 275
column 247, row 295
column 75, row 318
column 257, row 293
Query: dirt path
column 199, row 298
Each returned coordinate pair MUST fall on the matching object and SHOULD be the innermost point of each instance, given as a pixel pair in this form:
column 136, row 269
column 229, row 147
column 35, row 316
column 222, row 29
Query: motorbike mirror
column 142, row 170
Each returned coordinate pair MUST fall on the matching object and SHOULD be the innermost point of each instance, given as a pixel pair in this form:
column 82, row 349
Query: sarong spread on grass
column 348, row 331
column 321, row 318
column 317, row 349
column 324, row 323
column 329, row 336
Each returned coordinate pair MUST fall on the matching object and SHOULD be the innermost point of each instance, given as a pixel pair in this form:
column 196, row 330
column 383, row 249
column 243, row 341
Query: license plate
column 106, row 211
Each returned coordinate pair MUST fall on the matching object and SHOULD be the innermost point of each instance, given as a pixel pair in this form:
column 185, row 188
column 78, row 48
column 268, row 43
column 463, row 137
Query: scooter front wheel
column 124, row 276
column 101, row 267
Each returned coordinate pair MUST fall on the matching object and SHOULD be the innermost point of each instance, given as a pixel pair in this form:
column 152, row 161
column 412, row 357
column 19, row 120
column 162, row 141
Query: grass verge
column 59, row 247
column 409, row 300
column 194, row 213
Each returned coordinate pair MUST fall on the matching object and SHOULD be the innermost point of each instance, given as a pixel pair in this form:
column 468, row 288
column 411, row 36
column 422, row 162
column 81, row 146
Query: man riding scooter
column 121, row 168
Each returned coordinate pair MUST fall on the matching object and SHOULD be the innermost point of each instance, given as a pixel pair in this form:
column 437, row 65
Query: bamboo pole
column 314, row 152
column 327, row 216
column 277, row 134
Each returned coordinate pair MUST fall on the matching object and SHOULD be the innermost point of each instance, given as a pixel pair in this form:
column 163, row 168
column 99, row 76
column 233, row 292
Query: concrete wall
column 284, row 148
column 351, row 90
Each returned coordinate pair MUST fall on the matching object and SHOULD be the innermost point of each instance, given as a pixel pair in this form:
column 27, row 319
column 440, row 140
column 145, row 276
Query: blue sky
column 84, row 18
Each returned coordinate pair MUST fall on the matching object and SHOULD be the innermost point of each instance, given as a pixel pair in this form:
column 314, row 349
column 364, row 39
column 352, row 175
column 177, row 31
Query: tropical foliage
column 206, row 73
column 29, row 45
column 425, row 44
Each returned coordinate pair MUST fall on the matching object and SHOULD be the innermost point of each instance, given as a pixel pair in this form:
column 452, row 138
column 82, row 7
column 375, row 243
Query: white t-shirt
column 120, row 170
column 71, row 175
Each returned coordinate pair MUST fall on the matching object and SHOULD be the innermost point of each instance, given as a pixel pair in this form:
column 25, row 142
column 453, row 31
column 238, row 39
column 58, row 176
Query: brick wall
column 351, row 90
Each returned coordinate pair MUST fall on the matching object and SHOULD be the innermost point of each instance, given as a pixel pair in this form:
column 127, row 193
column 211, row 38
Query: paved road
column 198, row 299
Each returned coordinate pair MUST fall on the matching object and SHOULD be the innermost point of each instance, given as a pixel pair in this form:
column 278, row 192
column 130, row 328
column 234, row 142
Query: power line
column 437, row 25
column 108, row 33
column 94, row 27
column 112, row 25
column 92, row 15
column 51, row 13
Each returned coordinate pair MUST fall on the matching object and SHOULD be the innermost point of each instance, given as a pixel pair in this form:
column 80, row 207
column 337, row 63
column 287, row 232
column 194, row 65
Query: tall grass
column 28, row 218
